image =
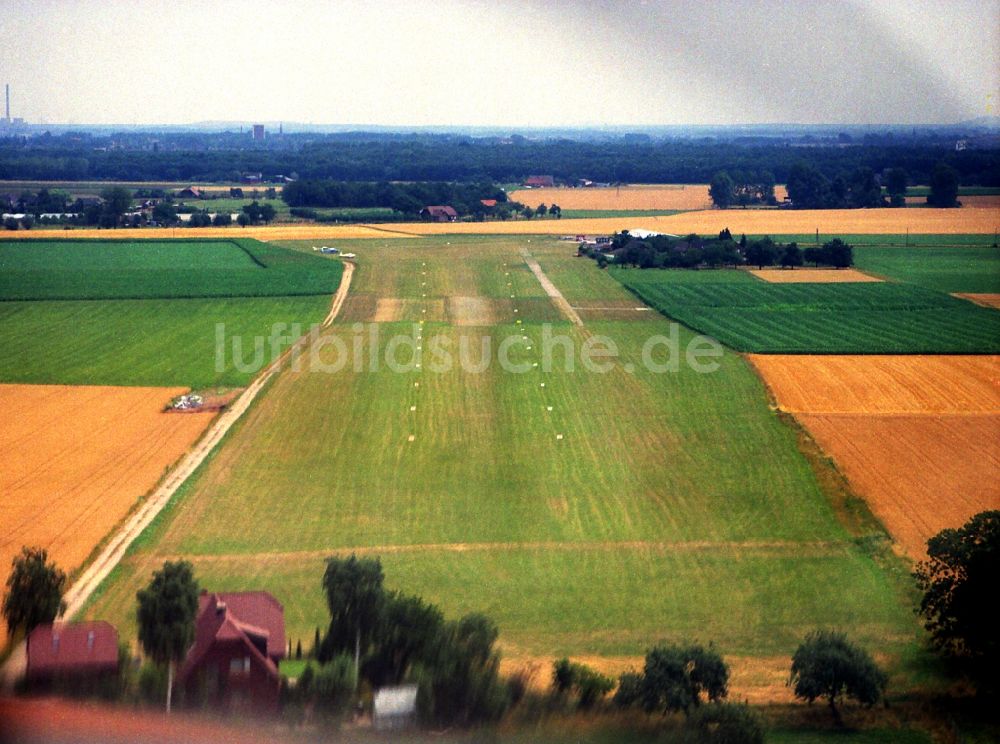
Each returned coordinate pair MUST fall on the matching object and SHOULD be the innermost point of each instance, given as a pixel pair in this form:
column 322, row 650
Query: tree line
column 694, row 252
column 407, row 198
column 809, row 188
column 378, row 636
column 427, row 157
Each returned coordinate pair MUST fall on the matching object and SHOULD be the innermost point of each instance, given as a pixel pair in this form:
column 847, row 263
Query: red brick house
column 439, row 214
column 239, row 641
column 72, row 650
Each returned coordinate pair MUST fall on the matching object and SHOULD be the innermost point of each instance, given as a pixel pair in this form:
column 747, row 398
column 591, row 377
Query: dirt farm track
column 74, row 460
column 917, row 436
column 750, row 221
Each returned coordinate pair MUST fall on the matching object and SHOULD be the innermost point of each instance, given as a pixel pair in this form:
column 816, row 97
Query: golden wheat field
column 75, row 459
column 918, row 437
column 749, row 221
column 813, row 276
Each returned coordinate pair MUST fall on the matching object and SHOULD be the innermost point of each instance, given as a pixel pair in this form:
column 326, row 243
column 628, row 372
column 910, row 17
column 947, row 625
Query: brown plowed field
column 750, row 221
column 882, row 384
column 813, row 276
column 919, row 474
column 74, row 460
column 917, row 436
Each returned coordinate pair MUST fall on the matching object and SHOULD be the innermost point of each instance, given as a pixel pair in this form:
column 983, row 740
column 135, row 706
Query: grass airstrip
column 588, row 513
column 591, row 513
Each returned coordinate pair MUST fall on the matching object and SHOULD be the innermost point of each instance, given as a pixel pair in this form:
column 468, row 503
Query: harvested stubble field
column 75, row 460
column 674, row 506
column 986, row 300
column 917, row 436
column 860, row 318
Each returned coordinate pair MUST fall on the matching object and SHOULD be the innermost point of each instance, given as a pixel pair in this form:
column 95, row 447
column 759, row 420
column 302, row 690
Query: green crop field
column 973, row 269
column 148, row 269
column 191, row 292
column 143, row 342
column 587, row 512
column 878, row 318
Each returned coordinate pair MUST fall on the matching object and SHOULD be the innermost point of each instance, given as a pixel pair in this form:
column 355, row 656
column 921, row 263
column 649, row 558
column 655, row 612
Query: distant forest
column 425, row 157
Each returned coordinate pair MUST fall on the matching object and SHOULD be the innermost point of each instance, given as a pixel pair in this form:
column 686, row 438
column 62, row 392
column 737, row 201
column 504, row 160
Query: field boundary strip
column 113, row 552
column 811, row 547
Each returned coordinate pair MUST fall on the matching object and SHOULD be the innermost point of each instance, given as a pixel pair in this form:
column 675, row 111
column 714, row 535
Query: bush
column 720, row 723
column 152, row 683
column 332, row 686
column 589, row 685
column 629, row 690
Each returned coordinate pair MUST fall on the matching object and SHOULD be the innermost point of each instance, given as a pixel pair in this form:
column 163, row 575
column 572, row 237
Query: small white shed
column 395, row 708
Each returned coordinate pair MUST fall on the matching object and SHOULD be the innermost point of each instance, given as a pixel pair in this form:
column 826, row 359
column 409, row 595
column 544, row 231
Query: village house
column 72, row 651
column 439, row 214
column 239, row 641
column 539, row 182
column 191, row 192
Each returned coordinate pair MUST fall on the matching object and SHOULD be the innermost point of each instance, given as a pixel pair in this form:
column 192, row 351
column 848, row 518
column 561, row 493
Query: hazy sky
column 515, row 63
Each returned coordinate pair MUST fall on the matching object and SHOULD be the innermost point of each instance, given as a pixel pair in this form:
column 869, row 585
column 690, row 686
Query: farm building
column 394, row 708
column 439, row 214
column 72, row 650
column 191, row 192
column 239, row 641
column 539, row 182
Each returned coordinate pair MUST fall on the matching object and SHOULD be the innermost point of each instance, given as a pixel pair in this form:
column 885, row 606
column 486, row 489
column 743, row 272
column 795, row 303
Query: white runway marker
column 558, row 436
column 416, row 384
column 543, row 384
column 411, row 438
column 548, row 408
column 413, row 408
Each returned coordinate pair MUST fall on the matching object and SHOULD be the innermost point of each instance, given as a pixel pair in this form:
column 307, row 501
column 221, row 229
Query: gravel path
column 550, row 289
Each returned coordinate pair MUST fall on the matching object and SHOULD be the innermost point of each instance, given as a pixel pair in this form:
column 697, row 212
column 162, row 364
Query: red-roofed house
column 239, row 639
column 191, row 192
column 439, row 214
column 488, row 202
column 539, row 182
column 72, row 650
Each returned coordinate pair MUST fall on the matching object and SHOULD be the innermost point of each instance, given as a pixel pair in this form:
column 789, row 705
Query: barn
column 439, row 214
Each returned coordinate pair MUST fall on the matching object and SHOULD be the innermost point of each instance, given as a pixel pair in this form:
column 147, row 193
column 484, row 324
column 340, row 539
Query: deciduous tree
column 34, row 591
column 959, row 580
column 354, row 596
column 166, row 614
column 829, row 666
column 944, row 187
